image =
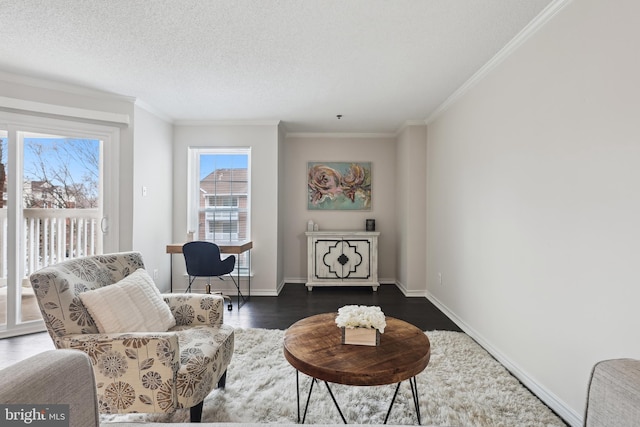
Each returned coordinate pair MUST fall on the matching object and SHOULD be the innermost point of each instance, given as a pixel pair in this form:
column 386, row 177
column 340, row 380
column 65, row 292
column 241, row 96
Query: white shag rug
column 462, row 386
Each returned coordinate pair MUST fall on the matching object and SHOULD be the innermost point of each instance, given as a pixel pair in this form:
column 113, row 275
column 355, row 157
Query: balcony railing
column 54, row 235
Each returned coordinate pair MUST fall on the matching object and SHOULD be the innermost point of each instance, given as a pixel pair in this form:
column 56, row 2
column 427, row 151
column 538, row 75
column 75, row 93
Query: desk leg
column 248, row 281
column 239, row 284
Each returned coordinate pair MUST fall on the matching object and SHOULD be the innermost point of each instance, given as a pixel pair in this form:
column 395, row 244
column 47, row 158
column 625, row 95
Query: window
column 219, row 204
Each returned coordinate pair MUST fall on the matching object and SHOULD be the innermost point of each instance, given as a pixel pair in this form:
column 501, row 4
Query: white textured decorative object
column 361, row 336
column 361, row 324
column 361, row 316
column 310, row 225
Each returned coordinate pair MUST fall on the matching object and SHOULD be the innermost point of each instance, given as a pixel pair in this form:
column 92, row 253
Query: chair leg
column 223, row 380
column 191, row 279
column 196, row 412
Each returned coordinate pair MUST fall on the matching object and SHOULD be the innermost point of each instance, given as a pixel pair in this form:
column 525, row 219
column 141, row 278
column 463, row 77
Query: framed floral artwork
column 339, row 186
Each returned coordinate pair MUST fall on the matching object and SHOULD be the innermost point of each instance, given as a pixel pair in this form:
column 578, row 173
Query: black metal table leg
column 393, row 399
column 416, row 401
column 335, row 403
column 298, row 393
column 414, row 394
column 306, row 406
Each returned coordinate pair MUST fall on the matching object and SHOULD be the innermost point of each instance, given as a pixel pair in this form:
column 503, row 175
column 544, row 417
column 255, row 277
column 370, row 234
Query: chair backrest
column 57, row 288
column 203, row 259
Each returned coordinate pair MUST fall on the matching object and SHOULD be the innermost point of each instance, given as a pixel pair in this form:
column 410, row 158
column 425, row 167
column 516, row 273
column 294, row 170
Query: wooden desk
column 236, row 247
column 229, row 247
column 314, row 347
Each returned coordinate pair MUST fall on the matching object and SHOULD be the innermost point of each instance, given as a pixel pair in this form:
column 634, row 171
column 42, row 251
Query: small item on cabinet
column 310, row 225
column 190, row 235
column 315, row 227
column 371, row 225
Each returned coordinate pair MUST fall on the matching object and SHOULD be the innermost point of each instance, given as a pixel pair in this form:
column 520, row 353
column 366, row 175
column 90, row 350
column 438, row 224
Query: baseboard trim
column 549, row 398
column 409, row 293
column 23, row 329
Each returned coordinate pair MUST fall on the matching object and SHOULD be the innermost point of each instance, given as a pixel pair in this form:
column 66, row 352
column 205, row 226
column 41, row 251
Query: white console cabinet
column 342, row 258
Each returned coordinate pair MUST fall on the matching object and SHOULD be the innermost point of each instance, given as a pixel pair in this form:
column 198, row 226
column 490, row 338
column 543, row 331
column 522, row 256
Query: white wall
column 533, row 202
column 264, row 142
column 152, row 213
column 411, row 212
column 298, row 151
column 282, row 207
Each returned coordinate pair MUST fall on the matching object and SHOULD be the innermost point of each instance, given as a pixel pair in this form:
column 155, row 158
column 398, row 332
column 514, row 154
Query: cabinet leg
column 309, row 288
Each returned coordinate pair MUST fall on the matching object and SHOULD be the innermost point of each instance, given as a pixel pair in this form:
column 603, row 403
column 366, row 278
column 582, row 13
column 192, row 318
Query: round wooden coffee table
column 314, row 347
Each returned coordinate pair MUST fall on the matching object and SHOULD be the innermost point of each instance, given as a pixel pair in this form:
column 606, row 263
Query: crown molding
column 42, row 83
column 15, row 104
column 226, row 122
column 527, row 32
column 338, row 135
column 409, row 123
column 153, row 110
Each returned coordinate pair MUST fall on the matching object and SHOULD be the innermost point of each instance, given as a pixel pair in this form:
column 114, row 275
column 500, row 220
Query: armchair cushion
column 132, row 304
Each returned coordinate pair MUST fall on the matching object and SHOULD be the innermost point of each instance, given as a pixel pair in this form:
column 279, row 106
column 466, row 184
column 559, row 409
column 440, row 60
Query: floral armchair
column 147, row 372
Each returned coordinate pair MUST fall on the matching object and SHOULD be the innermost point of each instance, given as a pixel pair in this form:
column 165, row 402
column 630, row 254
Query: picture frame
column 342, row 186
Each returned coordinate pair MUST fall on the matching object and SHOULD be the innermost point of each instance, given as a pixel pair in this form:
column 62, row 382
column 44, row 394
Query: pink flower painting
column 339, row 186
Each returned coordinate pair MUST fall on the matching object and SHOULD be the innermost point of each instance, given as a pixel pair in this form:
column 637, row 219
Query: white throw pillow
column 133, row 304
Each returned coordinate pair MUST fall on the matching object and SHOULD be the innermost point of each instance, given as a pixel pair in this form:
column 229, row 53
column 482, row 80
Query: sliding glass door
column 52, row 183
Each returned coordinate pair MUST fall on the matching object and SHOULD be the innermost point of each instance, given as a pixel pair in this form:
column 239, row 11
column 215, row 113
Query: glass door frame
column 15, row 123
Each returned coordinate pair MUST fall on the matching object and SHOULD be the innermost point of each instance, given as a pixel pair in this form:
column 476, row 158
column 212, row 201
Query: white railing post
column 53, row 235
column 92, row 237
column 79, row 234
column 62, row 240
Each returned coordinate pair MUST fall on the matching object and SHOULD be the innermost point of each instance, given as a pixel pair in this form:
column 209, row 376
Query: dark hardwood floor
column 293, row 304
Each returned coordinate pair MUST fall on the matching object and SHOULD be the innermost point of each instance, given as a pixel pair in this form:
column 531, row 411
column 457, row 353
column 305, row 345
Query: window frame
column 194, row 210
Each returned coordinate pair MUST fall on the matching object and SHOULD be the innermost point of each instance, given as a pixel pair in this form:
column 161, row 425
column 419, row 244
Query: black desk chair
column 203, row 260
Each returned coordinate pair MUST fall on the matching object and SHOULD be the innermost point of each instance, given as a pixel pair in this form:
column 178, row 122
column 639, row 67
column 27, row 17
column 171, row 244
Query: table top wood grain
column 313, row 346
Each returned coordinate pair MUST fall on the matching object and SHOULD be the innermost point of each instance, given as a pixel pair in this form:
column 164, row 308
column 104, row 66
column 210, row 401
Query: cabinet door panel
column 327, row 253
column 358, row 254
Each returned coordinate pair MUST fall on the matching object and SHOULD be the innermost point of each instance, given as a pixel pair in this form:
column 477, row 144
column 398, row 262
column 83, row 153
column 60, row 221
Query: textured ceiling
column 378, row 63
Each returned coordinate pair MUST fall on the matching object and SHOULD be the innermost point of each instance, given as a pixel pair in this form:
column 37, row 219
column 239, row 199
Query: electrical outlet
column 155, row 274
column 440, row 278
